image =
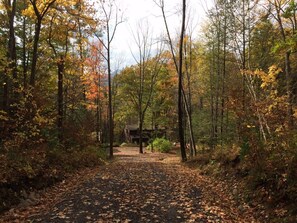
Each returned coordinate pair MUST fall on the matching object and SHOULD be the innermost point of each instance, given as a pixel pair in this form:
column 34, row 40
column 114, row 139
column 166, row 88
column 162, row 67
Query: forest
column 226, row 95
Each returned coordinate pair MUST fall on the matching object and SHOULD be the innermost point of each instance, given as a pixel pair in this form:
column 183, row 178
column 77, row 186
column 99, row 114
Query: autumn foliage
column 52, row 76
column 60, row 101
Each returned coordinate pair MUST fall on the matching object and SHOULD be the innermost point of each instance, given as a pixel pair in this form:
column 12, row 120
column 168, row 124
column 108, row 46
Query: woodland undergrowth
column 262, row 175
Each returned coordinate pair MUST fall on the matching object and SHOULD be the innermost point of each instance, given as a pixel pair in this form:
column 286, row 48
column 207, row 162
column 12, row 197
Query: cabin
column 132, row 134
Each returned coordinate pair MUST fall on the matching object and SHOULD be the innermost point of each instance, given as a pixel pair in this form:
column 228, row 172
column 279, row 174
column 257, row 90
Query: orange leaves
column 95, row 74
column 295, row 113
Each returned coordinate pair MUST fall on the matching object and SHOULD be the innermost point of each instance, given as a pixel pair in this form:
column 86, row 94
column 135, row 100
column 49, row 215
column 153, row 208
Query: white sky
column 136, row 11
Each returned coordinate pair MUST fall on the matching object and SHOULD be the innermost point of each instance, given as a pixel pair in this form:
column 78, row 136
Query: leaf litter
column 150, row 187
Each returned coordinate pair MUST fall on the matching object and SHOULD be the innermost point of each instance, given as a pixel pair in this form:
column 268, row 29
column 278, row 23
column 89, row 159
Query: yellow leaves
column 280, row 130
column 29, row 12
column 67, row 2
column 268, row 79
column 39, row 119
column 3, row 116
column 41, row 6
column 2, row 6
column 27, row 168
column 250, row 126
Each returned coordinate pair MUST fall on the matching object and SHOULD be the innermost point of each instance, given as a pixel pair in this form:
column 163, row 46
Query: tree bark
column 97, row 120
column 212, row 75
column 289, row 82
column 180, row 87
column 98, row 112
column 24, row 54
column 35, row 52
column 11, row 58
column 11, row 42
column 110, row 32
column 244, row 40
column 110, row 108
column 5, row 91
column 61, row 67
column 223, row 78
column 140, row 134
column 188, row 66
column 290, row 87
column 39, row 17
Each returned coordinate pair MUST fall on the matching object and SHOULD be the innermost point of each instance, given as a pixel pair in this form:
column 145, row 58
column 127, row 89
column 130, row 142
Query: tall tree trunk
column 35, row 52
column 188, row 102
column 140, row 97
column 211, row 79
column 153, row 135
column 191, row 132
column 11, row 42
column 217, row 85
column 289, row 82
column 140, row 133
column 290, row 87
column 97, row 120
column 11, row 69
column 24, row 53
column 110, row 108
column 5, row 91
column 223, row 80
column 61, row 66
column 81, row 56
column 110, row 32
column 179, row 68
column 180, row 86
column 39, row 17
column 98, row 113
column 243, row 56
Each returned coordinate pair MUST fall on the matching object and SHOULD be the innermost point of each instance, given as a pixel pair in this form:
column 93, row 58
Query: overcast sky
column 136, row 11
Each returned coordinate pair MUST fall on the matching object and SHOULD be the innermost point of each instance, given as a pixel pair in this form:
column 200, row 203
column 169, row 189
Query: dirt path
column 149, row 187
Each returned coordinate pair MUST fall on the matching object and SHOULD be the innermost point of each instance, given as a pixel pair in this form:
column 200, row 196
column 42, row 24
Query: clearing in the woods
column 150, row 187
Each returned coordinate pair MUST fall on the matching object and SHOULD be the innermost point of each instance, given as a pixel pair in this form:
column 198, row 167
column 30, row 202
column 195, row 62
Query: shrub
column 70, row 160
column 226, row 155
column 162, row 145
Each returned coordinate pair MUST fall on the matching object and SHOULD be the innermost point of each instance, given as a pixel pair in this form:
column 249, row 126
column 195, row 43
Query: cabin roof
column 136, row 127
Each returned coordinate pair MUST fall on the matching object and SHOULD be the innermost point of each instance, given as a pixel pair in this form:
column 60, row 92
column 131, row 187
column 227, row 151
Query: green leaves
column 161, row 144
column 290, row 10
